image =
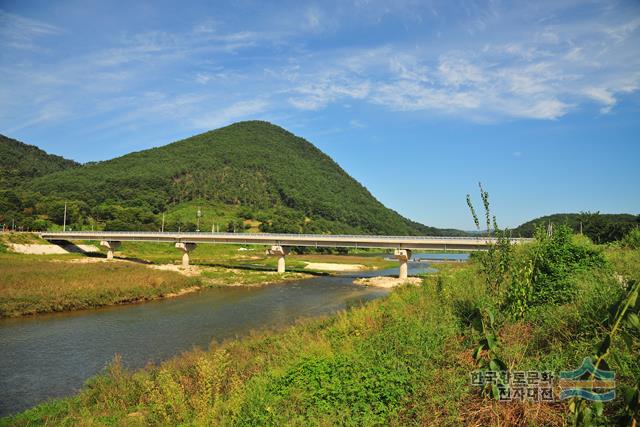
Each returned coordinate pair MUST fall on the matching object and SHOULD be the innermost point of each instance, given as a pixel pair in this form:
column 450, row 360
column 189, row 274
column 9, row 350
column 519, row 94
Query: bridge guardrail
column 276, row 235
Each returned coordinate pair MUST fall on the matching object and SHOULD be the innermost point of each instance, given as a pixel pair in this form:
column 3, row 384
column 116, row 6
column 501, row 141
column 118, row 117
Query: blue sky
column 418, row 100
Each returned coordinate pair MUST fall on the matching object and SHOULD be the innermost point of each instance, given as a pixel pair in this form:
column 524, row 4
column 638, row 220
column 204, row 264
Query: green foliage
column 632, row 239
column 496, row 263
column 547, row 272
column 337, row 385
column 253, row 167
column 520, row 289
column 487, row 352
column 556, row 257
column 20, row 162
column 600, row 228
column 625, row 323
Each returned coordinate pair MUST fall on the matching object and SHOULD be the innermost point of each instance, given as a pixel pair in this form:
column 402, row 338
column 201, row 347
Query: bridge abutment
column 111, row 246
column 280, row 252
column 185, row 248
column 403, row 255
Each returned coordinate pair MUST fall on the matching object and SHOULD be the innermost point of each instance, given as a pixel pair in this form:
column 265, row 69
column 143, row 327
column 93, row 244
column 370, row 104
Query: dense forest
column 253, row 174
column 20, row 162
column 600, row 228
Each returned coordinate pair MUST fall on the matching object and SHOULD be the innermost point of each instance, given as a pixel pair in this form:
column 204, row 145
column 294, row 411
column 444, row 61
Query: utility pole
column 64, row 221
column 199, row 214
column 162, row 222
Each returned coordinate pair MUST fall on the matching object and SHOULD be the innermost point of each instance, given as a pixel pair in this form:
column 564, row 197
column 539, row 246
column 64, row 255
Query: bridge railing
column 272, row 235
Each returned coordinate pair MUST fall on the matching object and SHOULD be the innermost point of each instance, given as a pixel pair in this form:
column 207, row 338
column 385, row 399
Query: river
column 49, row 356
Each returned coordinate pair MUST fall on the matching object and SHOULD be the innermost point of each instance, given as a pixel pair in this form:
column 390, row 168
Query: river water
column 51, row 356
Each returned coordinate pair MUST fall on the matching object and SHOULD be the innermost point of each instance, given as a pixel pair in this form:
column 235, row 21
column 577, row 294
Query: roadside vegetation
column 407, row 359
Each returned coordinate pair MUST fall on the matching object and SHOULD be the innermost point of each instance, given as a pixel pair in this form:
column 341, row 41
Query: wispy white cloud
column 18, row 32
column 314, row 95
column 603, row 96
column 540, row 74
column 530, row 65
column 238, row 111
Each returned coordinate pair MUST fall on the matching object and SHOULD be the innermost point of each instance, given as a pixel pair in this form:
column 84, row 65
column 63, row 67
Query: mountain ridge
column 260, row 171
column 20, row 161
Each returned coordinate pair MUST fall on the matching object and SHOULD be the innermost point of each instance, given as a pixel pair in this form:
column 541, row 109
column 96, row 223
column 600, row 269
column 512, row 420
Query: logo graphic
column 588, row 383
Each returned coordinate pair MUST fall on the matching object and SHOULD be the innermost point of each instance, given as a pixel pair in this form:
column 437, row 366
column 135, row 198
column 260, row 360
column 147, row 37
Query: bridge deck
column 313, row 240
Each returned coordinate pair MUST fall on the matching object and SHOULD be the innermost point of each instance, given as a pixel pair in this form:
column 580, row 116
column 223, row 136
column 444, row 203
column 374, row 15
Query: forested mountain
column 20, row 162
column 601, row 228
column 249, row 172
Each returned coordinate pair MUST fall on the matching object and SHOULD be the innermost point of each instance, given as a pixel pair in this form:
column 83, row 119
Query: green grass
column 403, row 360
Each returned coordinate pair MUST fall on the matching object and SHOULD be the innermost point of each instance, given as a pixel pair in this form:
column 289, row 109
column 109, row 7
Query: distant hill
column 20, row 162
column 601, row 228
column 249, row 172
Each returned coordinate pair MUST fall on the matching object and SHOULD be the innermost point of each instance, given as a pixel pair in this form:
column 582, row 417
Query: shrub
column 554, row 259
column 632, row 239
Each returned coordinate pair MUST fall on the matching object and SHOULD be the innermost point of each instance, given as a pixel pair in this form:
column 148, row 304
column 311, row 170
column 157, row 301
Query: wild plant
column 496, row 263
column 626, row 324
column 486, row 354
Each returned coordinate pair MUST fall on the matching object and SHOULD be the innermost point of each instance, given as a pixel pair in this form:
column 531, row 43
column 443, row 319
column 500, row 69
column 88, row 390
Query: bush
column 546, row 273
column 632, row 239
column 555, row 259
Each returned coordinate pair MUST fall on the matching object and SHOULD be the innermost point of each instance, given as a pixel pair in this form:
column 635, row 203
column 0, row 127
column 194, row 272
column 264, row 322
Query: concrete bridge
column 279, row 244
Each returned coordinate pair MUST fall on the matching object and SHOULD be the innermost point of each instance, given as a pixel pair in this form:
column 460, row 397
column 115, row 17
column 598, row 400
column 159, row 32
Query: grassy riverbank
column 33, row 284
column 404, row 360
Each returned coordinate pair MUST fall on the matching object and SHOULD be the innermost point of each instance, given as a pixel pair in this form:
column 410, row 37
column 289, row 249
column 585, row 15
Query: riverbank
column 55, row 281
column 387, row 282
column 44, row 278
column 406, row 359
column 34, row 284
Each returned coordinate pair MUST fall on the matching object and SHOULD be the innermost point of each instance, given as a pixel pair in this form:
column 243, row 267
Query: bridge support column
column 403, row 255
column 280, row 252
column 185, row 248
column 111, row 247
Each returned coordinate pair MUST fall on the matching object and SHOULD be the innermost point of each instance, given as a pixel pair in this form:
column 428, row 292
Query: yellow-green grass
column 221, row 276
column 21, row 238
column 625, row 262
column 42, row 284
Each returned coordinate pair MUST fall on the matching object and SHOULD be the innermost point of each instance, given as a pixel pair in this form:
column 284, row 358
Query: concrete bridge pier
column 280, row 252
column 403, row 255
column 111, row 246
column 185, row 248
